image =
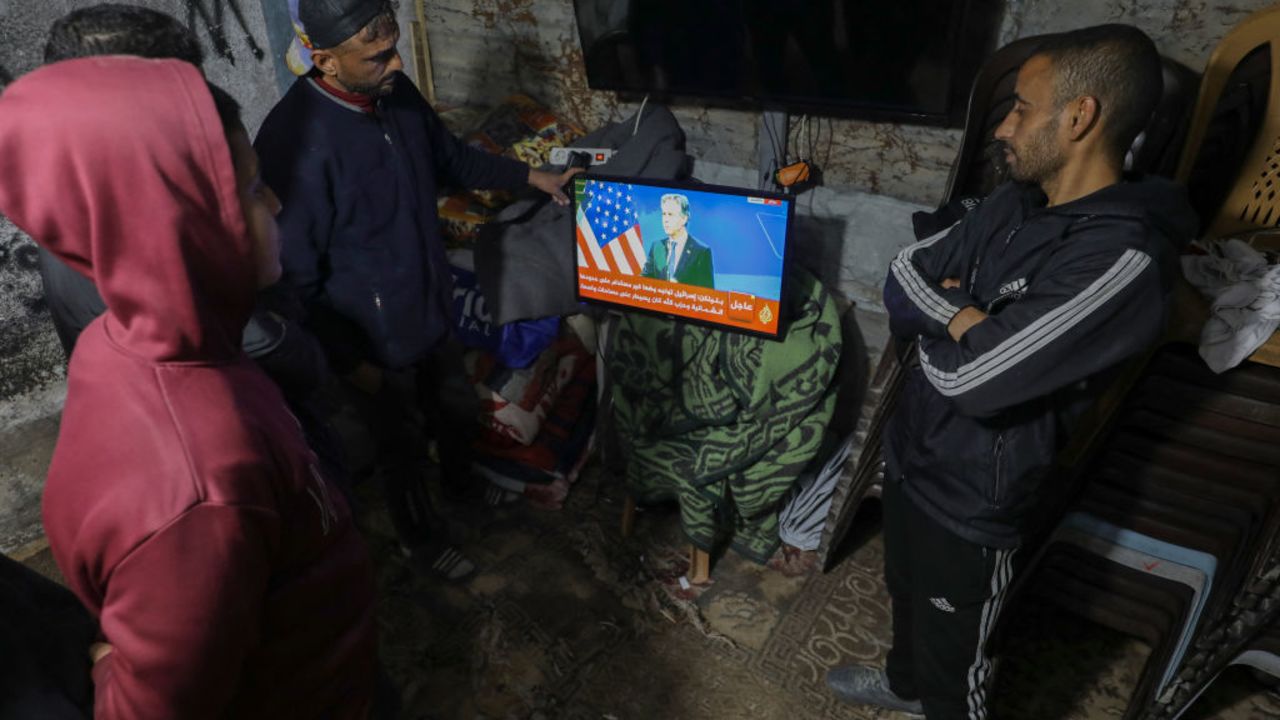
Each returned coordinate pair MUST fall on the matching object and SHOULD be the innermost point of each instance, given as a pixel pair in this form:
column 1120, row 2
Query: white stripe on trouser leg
column 982, row 663
column 981, row 668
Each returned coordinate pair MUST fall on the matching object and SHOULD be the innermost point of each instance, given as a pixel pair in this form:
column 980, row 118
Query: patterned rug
column 566, row 619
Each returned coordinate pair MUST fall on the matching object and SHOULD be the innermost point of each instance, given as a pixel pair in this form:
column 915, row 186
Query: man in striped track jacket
column 1019, row 311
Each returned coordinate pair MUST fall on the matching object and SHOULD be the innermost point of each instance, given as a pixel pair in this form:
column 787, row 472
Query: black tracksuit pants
column 947, row 594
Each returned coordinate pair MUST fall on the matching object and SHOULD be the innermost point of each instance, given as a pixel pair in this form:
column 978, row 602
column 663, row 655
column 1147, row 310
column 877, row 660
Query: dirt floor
column 566, row 619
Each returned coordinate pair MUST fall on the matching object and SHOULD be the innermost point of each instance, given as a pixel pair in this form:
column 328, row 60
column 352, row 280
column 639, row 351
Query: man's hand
column 99, row 650
column 367, row 377
column 950, row 283
column 963, row 320
column 552, row 184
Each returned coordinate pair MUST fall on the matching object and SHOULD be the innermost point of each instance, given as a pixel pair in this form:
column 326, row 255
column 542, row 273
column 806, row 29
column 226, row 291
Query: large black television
column 900, row 60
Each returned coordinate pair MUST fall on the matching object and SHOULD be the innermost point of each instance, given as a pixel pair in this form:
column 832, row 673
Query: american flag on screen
column 609, row 229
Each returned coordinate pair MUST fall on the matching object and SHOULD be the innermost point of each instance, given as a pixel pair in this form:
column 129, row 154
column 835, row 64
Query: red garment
column 367, row 103
column 182, row 504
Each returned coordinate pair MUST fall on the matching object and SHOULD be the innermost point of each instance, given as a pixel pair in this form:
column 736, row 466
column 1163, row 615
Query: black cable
column 791, row 139
column 831, row 138
column 813, row 138
column 773, row 140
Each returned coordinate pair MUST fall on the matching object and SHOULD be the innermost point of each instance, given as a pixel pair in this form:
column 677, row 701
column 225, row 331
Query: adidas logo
column 942, row 604
column 1015, row 286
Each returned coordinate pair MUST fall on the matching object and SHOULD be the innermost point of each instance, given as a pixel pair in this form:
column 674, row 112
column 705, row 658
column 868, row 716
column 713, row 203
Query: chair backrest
column 1157, row 148
column 1231, row 158
column 979, row 166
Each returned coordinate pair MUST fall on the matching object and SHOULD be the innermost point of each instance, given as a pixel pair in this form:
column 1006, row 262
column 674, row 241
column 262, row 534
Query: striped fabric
column 1047, row 328
column 804, row 514
column 919, row 289
column 980, row 671
column 608, row 234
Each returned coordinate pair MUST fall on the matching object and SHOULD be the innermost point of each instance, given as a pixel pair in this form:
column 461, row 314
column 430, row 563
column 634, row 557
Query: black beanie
column 328, row 23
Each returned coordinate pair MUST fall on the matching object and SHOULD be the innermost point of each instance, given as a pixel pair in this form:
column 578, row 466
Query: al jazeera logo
column 765, row 314
column 743, row 309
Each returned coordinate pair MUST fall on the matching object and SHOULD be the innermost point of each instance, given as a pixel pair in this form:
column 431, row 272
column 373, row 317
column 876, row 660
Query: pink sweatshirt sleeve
column 181, row 611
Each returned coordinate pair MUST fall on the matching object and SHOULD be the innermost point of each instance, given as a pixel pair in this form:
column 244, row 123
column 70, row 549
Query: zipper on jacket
column 1009, row 238
column 973, row 274
column 999, row 470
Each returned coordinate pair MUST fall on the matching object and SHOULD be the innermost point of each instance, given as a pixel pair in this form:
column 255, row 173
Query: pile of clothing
column 537, row 421
column 519, row 128
column 1244, row 287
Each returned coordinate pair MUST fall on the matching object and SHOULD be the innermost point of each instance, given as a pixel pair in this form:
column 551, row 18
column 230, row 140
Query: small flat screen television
column 902, row 60
column 704, row 253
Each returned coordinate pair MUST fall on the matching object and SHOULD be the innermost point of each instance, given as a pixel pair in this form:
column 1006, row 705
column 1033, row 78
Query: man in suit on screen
column 680, row 258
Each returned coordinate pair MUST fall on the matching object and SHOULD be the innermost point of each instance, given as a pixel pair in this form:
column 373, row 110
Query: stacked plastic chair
column 1177, row 511
column 1248, row 634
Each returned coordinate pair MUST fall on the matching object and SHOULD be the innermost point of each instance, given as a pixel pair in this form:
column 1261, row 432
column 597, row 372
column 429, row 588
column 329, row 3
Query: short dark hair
column 228, row 109
column 1117, row 64
column 114, row 29
column 382, row 25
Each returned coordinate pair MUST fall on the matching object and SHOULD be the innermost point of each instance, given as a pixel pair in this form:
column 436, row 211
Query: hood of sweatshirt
column 120, row 167
column 1157, row 202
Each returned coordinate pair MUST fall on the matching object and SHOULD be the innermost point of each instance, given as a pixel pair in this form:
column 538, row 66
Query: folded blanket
column 563, row 434
column 513, row 401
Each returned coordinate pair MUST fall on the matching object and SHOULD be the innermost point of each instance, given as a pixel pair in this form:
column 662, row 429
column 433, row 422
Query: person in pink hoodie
column 182, row 504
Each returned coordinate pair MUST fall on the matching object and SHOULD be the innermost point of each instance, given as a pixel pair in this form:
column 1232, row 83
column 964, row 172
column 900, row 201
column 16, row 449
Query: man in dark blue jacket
column 358, row 158
column 1018, row 311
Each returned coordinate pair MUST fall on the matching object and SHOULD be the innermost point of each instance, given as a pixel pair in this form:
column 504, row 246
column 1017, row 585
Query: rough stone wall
column 1185, row 30
column 238, row 58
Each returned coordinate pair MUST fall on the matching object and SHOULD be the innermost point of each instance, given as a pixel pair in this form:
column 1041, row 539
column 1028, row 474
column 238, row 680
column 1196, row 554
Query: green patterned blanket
column 725, row 422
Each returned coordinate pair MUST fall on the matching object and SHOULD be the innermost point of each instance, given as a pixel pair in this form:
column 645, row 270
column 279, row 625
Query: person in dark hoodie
column 358, row 158
column 182, row 504
column 1019, row 313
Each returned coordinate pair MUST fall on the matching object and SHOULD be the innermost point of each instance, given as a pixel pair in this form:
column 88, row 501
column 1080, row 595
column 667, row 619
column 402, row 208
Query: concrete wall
column 32, row 375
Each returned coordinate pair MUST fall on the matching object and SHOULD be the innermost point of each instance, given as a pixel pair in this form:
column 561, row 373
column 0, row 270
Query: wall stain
column 30, row 356
column 20, row 251
column 213, row 19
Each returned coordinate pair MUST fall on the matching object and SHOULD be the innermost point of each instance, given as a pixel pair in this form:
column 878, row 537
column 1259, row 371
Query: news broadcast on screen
column 712, row 254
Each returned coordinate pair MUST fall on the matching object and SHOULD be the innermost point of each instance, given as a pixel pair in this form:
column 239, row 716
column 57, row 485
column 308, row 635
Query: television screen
column 903, row 60
column 705, row 253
